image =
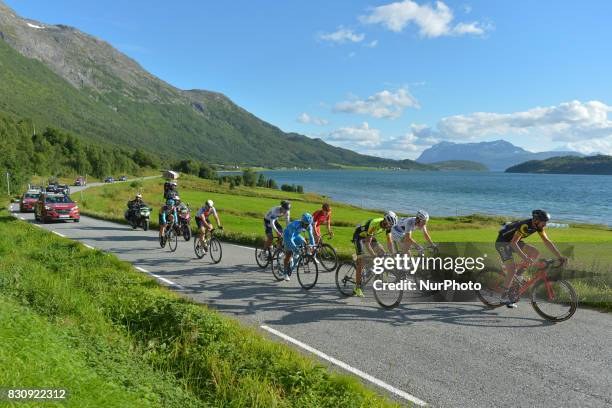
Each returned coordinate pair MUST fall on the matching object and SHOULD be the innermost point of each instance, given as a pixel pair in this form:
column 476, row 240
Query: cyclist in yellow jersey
column 365, row 236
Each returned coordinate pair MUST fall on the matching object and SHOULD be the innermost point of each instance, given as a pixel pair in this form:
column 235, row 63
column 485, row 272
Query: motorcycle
column 138, row 217
column 184, row 224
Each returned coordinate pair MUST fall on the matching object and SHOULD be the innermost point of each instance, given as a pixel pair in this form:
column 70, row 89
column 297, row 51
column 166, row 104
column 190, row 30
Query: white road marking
column 161, row 278
column 58, row 234
column 240, row 246
column 88, row 246
column 347, row 367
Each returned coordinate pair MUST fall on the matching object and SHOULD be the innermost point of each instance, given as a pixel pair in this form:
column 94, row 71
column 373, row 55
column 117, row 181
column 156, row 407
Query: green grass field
column 84, row 321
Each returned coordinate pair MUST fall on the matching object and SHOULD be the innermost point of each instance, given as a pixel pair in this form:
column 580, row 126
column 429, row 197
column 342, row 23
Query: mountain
column 59, row 76
column 459, row 165
column 600, row 164
column 497, row 155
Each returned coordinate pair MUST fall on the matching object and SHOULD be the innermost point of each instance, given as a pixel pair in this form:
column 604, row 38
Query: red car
column 28, row 200
column 51, row 207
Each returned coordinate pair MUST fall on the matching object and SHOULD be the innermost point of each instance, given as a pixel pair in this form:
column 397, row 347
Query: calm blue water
column 580, row 198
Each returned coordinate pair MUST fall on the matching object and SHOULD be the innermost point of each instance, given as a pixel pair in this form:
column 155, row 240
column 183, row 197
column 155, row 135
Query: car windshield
column 59, row 200
column 29, row 195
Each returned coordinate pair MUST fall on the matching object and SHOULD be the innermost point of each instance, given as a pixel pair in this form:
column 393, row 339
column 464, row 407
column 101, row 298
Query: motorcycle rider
column 170, row 189
column 134, row 205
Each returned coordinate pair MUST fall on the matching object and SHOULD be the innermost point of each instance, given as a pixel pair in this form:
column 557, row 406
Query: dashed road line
column 58, row 234
column 347, row 367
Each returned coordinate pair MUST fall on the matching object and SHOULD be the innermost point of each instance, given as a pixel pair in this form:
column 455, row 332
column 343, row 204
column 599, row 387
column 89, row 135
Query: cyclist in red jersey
column 322, row 216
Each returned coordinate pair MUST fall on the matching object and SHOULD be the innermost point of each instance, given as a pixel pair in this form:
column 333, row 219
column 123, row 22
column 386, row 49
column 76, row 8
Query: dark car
column 62, row 189
column 109, row 180
column 123, row 178
column 28, row 200
column 80, row 181
column 51, row 188
column 52, row 206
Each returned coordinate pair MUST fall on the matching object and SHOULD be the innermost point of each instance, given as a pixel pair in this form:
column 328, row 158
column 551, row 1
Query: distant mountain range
column 497, row 155
column 600, row 164
column 59, row 76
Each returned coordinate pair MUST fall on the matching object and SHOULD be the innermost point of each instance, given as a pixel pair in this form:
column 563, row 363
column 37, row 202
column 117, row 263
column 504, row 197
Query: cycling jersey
column 404, row 226
column 292, row 237
column 206, row 211
column 275, row 213
column 320, row 217
column 371, row 228
column 525, row 228
column 165, row 211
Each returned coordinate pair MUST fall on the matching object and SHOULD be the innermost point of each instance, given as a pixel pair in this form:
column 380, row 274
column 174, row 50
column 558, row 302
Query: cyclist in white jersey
column 203, row 218
column 401, row 233
column 271, row 223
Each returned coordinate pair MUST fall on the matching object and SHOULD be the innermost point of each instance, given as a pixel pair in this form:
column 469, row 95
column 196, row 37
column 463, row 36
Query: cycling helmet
column 326, row 207
column 307, row 218
column 177, row 198
column 138, row 196
column 391, row 218
column 170, row 202
column 173, row 183
column 422, row 215
column 209, row 203
column 540, row 215
column 286, row 205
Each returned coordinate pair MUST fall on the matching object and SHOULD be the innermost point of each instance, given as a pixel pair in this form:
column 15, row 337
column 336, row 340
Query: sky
column 379, row 77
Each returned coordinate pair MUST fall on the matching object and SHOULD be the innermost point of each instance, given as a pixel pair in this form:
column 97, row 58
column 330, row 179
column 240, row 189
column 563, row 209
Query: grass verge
column 93, row 325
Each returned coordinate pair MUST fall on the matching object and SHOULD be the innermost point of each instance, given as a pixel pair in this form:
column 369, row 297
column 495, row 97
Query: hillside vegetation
column 459, row 165
column 61, row 77
column 566, row 165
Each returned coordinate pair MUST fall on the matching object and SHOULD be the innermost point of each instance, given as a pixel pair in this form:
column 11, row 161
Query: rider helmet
column 209, row 203
column 390, row 218
column 422, row 215
column 170, row 202
column 307, row 218
column 326, row 207
column 285, row 205
column 139, row 196
column 540, row 215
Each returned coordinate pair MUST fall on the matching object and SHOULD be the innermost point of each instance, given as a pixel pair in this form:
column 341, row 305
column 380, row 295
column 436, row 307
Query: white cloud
column 362, row 135
column 432, row 21
column 384, row 104
column 311, row 120
column 372, row 44
column 342, row 35
column 603, row 145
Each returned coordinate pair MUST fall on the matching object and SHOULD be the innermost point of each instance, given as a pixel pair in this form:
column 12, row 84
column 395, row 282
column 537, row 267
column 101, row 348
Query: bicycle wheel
column 326, row 254
column 198, row 247
column 345, row 278
column 492, row 288
column 278, row 265
column 307, row 272
column 554, row 300
column 215, row 250
column 386, row 290
column 172, row 240
column 262, row 257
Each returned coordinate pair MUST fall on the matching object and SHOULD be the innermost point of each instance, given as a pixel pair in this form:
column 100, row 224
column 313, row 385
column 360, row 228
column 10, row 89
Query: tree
column 249, row 177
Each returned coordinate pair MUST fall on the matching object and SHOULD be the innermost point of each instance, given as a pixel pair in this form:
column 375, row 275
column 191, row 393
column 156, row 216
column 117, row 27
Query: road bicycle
column 210, row 244
column 551, row 297
column 263, row 256
column 170, row 237
column 326, row 254
column 386, row 285
column 303, row 262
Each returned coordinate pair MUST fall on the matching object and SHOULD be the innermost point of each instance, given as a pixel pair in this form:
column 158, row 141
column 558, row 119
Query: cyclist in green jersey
column 364, row 239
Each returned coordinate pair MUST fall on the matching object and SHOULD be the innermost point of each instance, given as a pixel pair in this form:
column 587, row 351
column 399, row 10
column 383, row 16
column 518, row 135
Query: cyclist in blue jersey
column 167, row 213
column 293, row 239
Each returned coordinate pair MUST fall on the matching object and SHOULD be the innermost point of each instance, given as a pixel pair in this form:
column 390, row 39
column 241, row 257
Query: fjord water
column 578, row 198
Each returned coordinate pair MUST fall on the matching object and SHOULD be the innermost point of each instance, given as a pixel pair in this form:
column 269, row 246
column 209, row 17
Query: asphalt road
column 446, row 354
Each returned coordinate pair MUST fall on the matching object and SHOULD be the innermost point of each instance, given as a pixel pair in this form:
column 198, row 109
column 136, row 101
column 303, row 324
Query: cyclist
column 365, row 236
column 510, row 241
column 170, row 189
column 271, row 221
column 293, row 239
column 167, row 214
column 203, row 220
column 402, row 231
column 319, row 217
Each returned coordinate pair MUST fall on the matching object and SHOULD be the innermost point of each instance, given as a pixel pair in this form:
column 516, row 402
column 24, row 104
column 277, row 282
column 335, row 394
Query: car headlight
column 76, row 207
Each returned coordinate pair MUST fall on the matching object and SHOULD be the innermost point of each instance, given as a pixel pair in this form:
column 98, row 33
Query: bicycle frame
column 540, row 275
